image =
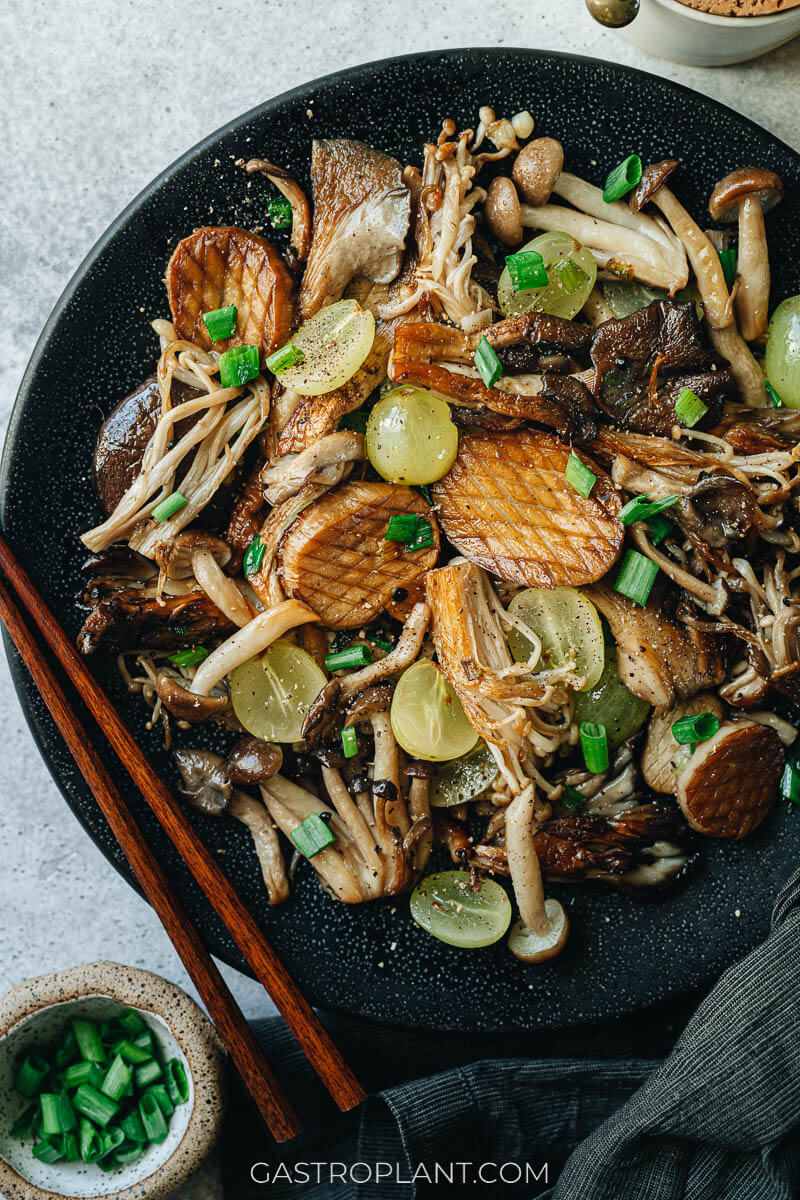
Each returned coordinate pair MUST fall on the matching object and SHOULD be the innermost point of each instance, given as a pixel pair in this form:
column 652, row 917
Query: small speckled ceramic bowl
column 34, row 1013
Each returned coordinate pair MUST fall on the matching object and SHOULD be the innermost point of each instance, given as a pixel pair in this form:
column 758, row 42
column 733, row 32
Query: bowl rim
column 729, row 23
column 205, row 1059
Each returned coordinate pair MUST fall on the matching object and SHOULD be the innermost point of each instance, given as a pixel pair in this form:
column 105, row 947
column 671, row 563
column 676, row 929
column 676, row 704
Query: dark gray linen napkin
column 614, row 1112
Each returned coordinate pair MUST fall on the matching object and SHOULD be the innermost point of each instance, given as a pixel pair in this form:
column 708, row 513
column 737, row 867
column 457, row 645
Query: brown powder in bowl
column 742, row 8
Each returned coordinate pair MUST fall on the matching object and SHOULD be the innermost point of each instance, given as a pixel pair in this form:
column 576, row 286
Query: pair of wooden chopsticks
column 298, row 1014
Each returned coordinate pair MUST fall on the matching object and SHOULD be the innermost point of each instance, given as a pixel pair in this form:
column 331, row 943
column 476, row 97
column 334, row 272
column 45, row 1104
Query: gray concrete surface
column 96, row 99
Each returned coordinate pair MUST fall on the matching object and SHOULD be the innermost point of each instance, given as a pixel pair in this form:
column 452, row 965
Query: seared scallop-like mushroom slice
column 744, row 196
column 731, row 781
column 220, row 265
column 507, row 506
column 335, row 558
column 663, row 757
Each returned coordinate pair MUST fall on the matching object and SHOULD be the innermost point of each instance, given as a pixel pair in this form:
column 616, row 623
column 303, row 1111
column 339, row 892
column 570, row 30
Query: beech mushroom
column 253, row 761
column 195, row 552
column 419, row 839
column 502, row 211
column 731, row 780
column 536, row 169
column 545, row 923
column 204, row 780
column 288, row 186
column 701, row 253
column 744, row 196
column 186, row 705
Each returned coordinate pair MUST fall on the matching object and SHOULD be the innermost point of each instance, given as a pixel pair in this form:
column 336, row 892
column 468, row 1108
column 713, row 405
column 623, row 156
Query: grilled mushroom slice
column 731, row 781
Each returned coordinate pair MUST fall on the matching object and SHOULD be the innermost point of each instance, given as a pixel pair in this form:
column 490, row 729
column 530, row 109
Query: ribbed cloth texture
column 619, row 1111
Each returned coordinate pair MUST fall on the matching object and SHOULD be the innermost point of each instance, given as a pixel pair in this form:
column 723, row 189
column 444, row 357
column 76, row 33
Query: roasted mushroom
column 731, row 781
column 744, row 196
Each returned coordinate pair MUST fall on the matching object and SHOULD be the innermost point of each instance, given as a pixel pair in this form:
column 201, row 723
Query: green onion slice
column 238, row 365
column 166, row 509
column 161, row 1096
column 94, row 1105
column 527, row 270
column 349, row 659
column 402, row 527
column 636, row 577
column 350, row 742
column 311, row 836
column 356, row 421
column 571, row 797
column 86, row 1032
column 287, row 356
column 147, row 1073
column 594, row 744
column 570, row 274
column 66, row 1113
column 110, row 1141
column 47, row 1152
column 253, row 557
column 187, row 658
column 690, row 408
column 118, row 1076
column 177, row 1083
column 77, row 1074
column 132, row 1022
column 698, row 728
column 659, row 528
column 69, row 1145
column 221, row 323
column 578, row 475
column 132, row 1127
column 422, row 538
column 640, row 509
column 88, row 1141
column 381, row 642
column 727, row 260
column 790, row 783
column 129, row 1152
column 773, row 395
column 489, row 366
column 622, row 179
column 31, row 1076
column 155, row 1125
column 23, row 1126
column 51, row 1120
column 279, row 211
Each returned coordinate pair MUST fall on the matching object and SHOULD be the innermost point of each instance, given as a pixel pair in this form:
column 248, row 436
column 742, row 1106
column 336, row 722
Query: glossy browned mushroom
column 253, row 761
column 731, row 781
column 186, row 705
column 744, row 196
column 536, row 169
column 195, row 552
column 502, row 211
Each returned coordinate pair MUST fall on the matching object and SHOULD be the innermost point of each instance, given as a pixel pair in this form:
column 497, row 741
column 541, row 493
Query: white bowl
column 681, row 34
column 35, row 1013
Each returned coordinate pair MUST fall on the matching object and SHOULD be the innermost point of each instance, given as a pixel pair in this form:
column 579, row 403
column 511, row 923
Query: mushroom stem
column 752, row 299
column 221, row 589
column 290, row 188
column 256, row 637
column 748, row 374
column 265, row 841
column 523, row 861
column 387, row 766
column 419, row 810
column 714, row 598
column 702, row 256
column 348, row 810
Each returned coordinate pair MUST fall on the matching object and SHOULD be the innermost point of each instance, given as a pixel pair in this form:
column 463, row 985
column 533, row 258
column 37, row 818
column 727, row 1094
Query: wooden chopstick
column 245, row 1051
column 316, row 1042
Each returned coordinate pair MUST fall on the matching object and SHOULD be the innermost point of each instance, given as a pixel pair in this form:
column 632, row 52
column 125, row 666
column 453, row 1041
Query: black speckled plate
column 97, row 345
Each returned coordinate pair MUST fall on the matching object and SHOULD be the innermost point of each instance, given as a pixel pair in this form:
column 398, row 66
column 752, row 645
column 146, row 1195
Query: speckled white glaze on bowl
column 34, row 1015
column 668, row 29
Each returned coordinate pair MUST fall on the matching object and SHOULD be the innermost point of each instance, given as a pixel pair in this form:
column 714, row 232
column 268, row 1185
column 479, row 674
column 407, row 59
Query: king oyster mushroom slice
column 195, row 552
column 663, row 758
column 744, row 196
column 542, row 930
column 207, row 786
column 731, row 780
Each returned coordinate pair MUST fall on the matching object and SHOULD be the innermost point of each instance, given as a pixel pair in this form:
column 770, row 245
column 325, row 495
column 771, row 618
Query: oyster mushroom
column 744, row 196
column 545, row 923
column 187, row 705
column 323, row 461
column 699, row 249
column 206, row 783
column 288, row 186
column 731, row 781
column 202, row 555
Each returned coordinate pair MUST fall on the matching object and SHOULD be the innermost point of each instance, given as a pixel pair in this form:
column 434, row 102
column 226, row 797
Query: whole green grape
column 783, row 351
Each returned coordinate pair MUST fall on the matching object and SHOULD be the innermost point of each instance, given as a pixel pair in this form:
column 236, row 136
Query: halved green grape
column 555, row 298
column 410, row 436
column 463, row 780
column 427, row 717
column 568, row 626
column 447, row 907
column 783, row 351
column 272, row 693
column 334, row 343
column 609, row 703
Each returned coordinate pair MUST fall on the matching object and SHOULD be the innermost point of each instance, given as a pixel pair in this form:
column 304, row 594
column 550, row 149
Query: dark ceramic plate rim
column 39, row 726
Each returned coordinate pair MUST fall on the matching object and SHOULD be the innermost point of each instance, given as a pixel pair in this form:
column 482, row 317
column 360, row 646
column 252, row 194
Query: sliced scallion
column 773, row 395
column 238, row 366
column 31, row 1075
column 578, row 475
column 47, row 1152
column 698, row 728
column 348, row 660
column 23, row 1126
column 94, row 1105
column 594, row 744
column 571, row 797
column 161, row 1095
column 355, row 421
column 253, row 557
column 69, row 1146
column 110, row 1141
column 88, row 1037
column 402, row 527
column 177, row 1082
column 128, row 1152
column 168, row 507
column 527, row 270
column 66, row 1113
column 51, row 1120
column 659, row 528
column 221, row 323
column 349, row 742
column 132, row 1022
column 641, row 509
column 727, row 260
column 690, row 408
column 88, row 1141
column 287, row 356
column 279, row 211
column 147, row 1073
column 77, row 1074
column 790, row 783
column 311, row 836
column 188, row 658
column 625, row 176
column 489, row 366
column 131, row 1125
column 155, row 1125
column 636, row 577
column 422, row 538
column 118, row 1077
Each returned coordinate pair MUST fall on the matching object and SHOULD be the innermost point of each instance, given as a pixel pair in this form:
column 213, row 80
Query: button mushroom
column 195, row 552
column 744, row 196
column 701, row 253
column 543, row 928
column 731, row 781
